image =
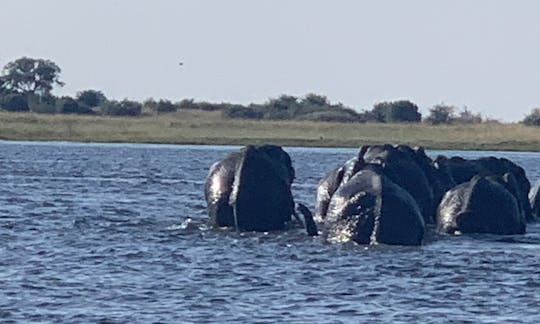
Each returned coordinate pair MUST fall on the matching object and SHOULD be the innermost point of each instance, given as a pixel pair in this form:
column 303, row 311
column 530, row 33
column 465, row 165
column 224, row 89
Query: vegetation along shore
column 29, row 111
column 189, row 126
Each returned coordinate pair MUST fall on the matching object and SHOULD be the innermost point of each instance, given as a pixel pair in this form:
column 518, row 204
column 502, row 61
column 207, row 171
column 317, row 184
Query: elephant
column 370, row 209
column 462, row 170
column 459, row 170
column 481, row 205
column 250, row 189
column 409, row 168
column 438, row 177
column 374, row 197
column 500, row 166
column 401, row 165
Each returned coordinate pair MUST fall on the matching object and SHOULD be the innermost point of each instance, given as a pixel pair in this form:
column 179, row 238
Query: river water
column 116, row 233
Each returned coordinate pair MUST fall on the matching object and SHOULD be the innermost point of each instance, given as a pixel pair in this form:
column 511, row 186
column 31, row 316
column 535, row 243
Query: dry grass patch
column 203, row 127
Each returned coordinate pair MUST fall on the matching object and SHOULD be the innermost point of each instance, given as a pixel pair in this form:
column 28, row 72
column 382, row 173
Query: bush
column 186, row 104
column 165, row 106
column 150, row 103
column 396, row 111
column 91, row 98
column 369, row 116
column 532, row 119
column 208, row 106
column 441, row 114
column 337, row 116
column 201, row 105
column 315, row 99
column 285, row 107
column 14, row 102
column 282, row 107
column 44, row 104
column 242, row 113
column 68, row 105
column 121, row 108
column 467, row 117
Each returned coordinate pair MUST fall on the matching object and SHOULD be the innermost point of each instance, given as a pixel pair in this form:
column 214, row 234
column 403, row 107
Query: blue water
column 117, row 233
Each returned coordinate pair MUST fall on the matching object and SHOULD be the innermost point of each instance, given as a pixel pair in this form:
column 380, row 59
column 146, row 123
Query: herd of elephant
column 387, row 194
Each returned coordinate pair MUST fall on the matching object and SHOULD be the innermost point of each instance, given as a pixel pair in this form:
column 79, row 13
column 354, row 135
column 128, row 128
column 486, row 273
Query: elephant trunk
column 311, row 227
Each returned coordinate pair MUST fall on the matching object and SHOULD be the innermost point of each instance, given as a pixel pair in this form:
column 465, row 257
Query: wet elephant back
column 495, row 210
column 325, row 190
column 402, row 222
column 371, row 209
column 480, row 206
column 404, row 171
column 218, row 189
column 261, row 193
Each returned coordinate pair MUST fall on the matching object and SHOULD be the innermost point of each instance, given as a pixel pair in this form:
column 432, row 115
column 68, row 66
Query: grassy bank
column 201, row 127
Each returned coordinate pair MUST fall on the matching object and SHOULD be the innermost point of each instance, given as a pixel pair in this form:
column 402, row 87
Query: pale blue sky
column 483, row 54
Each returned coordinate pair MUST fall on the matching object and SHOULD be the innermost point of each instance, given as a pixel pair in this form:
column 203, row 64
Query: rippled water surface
column 116, row 233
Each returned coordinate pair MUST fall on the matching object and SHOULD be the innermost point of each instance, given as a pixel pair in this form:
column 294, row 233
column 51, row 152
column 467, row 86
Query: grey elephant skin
column 250, row 190
column 486, row 195
column 383, row 195
column 481, row 205
column 370, row 209
column 462, row 170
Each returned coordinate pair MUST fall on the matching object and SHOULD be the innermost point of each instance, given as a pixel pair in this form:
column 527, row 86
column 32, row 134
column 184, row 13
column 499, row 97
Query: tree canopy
column 396, row 111
column 532, row 119
column 30, row 76
column 441, row 114
column 91, row 98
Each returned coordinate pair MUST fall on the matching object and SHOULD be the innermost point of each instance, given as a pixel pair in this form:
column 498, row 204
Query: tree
column 468, row 117
column 283, row 107
column 532, row 119
column 282, row 102
column 150, row 103
column 31, row 76
column 187, row 104
column 164, row 105
column 315, row 99
column 441, row 114
column 396, row 111
column 91, row 98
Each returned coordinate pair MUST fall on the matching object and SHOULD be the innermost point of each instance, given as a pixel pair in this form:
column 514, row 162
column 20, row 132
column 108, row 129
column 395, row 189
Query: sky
column 482, row 54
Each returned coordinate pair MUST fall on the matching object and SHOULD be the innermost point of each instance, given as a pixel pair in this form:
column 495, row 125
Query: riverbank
column 203, row 127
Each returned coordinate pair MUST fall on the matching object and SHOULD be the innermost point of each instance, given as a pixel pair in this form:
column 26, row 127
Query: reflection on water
column 117, row 233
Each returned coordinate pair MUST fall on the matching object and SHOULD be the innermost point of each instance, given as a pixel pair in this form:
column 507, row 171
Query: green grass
column 201, row 127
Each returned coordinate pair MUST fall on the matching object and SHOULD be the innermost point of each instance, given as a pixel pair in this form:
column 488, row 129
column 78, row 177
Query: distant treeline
column 26, row 85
